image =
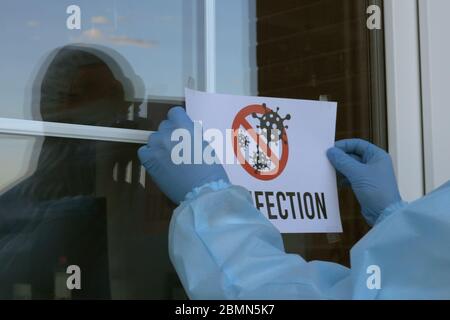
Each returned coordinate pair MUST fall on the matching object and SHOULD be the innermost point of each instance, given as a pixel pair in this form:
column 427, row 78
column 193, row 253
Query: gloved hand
column 177, row 180
column 342, row 180
column 370, row 173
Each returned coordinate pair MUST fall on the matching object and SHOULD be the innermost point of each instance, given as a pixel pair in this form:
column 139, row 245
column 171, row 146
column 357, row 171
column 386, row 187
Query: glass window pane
column 152, row 48
column 308, row 49
column 85, row 203
column 68, row 201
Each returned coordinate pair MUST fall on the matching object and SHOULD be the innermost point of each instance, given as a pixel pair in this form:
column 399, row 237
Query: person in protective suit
column 223, row 248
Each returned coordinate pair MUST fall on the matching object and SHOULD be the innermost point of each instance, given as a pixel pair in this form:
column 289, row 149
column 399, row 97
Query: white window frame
column 404, row 104
column 435, row 67
column 210, row 45
column 68, row 130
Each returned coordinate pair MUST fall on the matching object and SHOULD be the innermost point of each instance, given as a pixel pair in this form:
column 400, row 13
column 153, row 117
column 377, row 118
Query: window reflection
column 161, row 40
column 86, row 202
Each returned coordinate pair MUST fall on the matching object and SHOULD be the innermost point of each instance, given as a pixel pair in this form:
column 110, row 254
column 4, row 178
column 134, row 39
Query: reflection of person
column 58, row 213
column 223, row 248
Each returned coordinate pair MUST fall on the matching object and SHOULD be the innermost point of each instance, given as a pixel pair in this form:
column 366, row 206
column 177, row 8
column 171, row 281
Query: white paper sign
column 276, row 148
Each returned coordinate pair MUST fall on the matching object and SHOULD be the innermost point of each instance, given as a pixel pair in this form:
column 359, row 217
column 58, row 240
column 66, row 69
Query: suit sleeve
column 223, row 248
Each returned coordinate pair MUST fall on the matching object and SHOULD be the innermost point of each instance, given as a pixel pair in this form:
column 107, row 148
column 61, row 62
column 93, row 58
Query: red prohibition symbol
column 241, row 122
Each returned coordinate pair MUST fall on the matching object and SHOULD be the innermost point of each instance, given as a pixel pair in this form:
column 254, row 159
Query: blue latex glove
column 342, row 180
column 372, row 177
column 176, row 180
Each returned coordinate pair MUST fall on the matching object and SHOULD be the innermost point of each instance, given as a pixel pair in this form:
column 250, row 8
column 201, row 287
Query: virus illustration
column 272, row 125
column 243, row 140
column 260, row 161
